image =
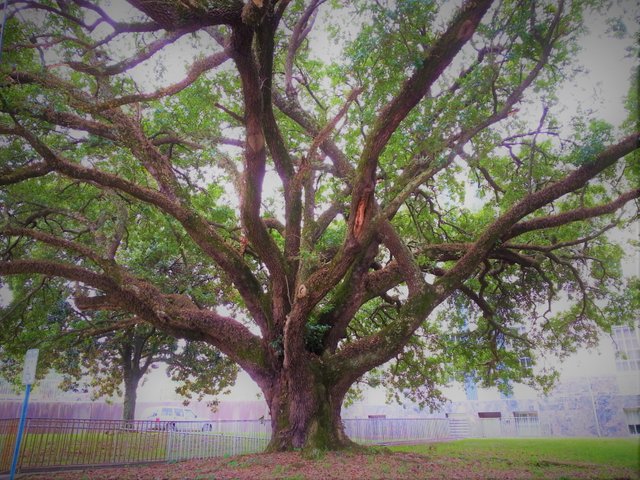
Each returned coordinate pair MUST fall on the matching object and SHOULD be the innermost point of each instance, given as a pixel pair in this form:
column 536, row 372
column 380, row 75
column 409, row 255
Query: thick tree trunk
column 305, row 415
column 130, row 398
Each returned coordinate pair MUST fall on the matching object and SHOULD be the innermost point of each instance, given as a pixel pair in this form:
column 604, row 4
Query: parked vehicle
column 176, row 418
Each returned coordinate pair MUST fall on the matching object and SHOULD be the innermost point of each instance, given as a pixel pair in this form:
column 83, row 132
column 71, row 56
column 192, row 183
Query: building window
column 627, row 344
column 633, row 420
column 524, row 416
column 526, row 423
column 525, row 419
column 489, row 415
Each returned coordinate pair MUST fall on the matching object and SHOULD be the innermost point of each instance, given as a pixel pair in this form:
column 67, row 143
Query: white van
column 175, row 418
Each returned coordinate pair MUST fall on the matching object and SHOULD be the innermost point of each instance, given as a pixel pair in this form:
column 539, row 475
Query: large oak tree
column 324, row 201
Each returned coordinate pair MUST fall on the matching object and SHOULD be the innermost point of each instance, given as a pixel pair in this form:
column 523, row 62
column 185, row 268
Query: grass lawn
column 539, row 452
column 481, row 459
column 90, row 447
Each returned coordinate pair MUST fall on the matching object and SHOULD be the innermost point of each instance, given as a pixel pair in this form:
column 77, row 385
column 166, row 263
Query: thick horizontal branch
column 57, row 269
column 177, row 315
column 176, row 15
column 54, row 241
column 98, row 302
column 140, row 298
column 230, row 336
column 70, row 120
column 8, row 177
column 578, row 214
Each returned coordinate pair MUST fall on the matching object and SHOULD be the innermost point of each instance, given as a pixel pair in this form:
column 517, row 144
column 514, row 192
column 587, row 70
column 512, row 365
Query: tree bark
column 306, row 414
column 130, row 397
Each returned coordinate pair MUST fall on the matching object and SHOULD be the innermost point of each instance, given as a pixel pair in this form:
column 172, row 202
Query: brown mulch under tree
column 377, row 464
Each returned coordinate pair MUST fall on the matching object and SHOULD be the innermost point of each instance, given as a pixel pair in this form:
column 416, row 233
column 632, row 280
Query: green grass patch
column 95, row 447
column 92, row 447
column 540, row 453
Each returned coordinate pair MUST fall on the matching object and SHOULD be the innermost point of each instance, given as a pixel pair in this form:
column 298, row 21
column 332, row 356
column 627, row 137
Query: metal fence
column 187, row 446
column 509, row 427
column 63, row 443
column 68, row 443
column 390, row 430
column 225, row 437
column 8, row 430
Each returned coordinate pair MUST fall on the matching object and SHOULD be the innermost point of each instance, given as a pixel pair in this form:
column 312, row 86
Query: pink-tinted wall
column 249, row 410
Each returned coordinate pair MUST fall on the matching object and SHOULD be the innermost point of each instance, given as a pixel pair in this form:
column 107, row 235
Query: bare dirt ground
column 375, row 465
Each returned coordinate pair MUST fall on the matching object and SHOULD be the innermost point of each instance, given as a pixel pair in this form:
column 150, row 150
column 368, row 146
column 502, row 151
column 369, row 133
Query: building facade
column 598, row 394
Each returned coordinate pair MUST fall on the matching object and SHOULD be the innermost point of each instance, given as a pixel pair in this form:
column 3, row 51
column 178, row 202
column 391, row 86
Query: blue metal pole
column 23, row 417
